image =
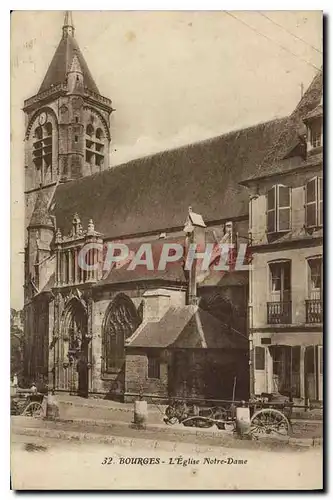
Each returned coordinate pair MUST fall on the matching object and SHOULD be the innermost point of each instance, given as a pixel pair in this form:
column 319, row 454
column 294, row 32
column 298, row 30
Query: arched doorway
column 76, row 347
column 120, row 322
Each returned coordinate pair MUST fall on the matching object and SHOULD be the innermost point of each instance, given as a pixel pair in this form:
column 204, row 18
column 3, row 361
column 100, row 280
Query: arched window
column 219, row 307
column 94, row 148
column 90, row 130
column 48, row 129
column 74, row 325
column 42, row 152
column 99, row 134
column 75, row 347
column 121, row 320
column 39, row 133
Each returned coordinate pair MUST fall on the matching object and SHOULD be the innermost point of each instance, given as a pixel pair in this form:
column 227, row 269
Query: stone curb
column 181, row 430
column 95, row 407
column 129, row 409
column 125, row 409
column 123, row 440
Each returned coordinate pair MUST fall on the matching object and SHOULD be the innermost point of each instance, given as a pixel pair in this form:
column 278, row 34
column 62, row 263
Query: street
column 44, row 463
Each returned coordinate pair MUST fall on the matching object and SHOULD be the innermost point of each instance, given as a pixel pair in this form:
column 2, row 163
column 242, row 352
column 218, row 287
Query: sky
column 174, row 77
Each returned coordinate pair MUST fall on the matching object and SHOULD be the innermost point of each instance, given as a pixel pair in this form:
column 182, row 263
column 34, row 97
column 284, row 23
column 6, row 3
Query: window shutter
column 271, row 210
column 259, row 358
column 320, row 201
column 311, row 205
column 283, row 207
column 287, row 276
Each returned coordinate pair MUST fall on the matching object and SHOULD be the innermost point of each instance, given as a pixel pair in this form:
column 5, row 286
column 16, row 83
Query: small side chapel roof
column 187, row 327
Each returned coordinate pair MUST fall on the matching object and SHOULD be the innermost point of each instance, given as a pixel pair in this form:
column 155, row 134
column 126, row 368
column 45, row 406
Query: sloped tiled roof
column 318, row 111
column 41, row 215
column 49, row 285
column 187, row 327
column 173, row 271
column 273, row 161
column 154, row 193
column 61, row 63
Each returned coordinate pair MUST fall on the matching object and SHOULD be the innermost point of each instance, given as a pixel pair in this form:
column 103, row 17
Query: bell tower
column 67, row 136
column 67, row 123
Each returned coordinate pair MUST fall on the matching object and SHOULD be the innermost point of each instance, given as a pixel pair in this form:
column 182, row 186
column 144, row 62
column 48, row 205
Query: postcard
column 167, row 250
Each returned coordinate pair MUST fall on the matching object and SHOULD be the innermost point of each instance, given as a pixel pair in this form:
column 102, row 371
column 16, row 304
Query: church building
column 123, row 332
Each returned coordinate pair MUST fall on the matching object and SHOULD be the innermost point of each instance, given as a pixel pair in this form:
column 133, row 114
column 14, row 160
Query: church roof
column 62, row 61
column 153, row 193
column 274, row 162
column 41, row 215
column 173, row 271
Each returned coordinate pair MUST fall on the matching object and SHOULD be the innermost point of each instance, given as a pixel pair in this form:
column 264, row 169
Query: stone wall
column 136, row 374
column 188, row 373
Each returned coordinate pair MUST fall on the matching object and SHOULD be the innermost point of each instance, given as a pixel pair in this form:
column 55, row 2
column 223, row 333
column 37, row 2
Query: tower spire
column 68, row 27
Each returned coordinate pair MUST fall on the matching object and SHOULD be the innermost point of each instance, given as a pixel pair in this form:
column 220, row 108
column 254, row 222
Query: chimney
column 195, row 230
column 156, row 304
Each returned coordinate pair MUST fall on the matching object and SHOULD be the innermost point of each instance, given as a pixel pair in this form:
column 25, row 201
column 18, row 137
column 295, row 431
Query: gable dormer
column 314, row 125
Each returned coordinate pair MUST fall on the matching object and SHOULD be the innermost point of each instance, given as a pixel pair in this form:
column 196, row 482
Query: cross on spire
column 68, row 27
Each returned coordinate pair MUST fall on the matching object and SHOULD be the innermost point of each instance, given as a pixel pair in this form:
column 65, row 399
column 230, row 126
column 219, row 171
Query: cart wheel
column 269, row 421
column 171, row 420
column 229, row 426
column 202, row 423
column 33, row 410
column 220, row 425
column 172, row 414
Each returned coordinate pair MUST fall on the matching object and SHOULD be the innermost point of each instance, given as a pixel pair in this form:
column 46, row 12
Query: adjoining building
column 286, row 277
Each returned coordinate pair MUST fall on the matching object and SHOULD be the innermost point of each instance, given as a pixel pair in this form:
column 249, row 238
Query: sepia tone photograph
column 166, row 322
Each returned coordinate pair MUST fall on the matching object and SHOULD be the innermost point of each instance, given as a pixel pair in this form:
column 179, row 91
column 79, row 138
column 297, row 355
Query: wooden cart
column 270, row 414
column 27, row 403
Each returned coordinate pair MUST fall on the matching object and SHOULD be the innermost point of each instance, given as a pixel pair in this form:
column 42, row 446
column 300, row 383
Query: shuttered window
column 314, row 202
column 278, row 209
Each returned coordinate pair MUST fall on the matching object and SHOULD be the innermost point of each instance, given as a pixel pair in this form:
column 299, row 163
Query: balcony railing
column 278, row 313
column 314, row 311
column 61, row 87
